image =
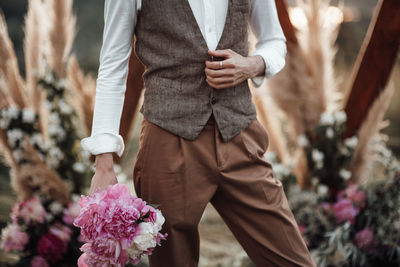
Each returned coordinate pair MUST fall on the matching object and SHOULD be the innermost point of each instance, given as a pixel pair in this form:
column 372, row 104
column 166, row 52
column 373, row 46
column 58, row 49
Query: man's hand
column 104, row 175
column 235, row 68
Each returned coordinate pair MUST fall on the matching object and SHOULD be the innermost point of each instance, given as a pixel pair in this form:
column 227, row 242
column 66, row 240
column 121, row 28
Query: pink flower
column 13, row 238
column 111, row 221
column 354, row 193
column 345, row 211
column 71, row 213
column 364, row 239
column 302, row 229
column 30, row 211
column 104, row 251
column 51, row 248
column 61, row 231
column 81, row 260
column 39, row 261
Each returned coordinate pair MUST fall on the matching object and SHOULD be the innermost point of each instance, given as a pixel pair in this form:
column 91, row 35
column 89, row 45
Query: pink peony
column 51, row 248
column 354, row 193
column 30, row 211
column 13, row 238
column 111, row 221
column 345, row 211
column 63, row 232
column 82, row 260
column 39, row 261
column 364, row 239
column 302, row 229
column 71, row 212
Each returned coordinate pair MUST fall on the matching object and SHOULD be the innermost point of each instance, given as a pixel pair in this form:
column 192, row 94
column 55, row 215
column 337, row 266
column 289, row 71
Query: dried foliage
column 9, row 70
column 85, row 89
column 368, row 136
column 61, row 34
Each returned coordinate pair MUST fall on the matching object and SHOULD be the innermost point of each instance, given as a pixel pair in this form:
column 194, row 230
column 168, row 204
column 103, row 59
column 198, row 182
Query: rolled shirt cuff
column 103, row 143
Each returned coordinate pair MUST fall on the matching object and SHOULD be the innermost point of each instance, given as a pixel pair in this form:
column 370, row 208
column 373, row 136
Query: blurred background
column 357, row 16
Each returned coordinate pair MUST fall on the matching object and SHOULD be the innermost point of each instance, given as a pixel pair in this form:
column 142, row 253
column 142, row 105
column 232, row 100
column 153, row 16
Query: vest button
column 213, row 100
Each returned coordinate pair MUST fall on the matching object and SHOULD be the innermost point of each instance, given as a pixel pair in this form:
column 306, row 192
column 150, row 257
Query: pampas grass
column 85, row 89
column 306, row 87
column 9, row 70
column 368, row 137
column 61, row 34
column 36, row 176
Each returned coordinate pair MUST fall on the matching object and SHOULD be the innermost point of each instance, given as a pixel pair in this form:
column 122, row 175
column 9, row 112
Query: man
column 200, row 140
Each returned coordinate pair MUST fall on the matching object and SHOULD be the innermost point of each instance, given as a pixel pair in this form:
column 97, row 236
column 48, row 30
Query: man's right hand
column 104, row 175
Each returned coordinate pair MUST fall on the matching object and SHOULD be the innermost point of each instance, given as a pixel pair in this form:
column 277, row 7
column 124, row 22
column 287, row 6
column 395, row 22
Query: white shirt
column 120, row 19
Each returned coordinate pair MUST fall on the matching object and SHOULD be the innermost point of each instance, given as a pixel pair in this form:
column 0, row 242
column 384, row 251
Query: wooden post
column 374, row 63
column 287, row 26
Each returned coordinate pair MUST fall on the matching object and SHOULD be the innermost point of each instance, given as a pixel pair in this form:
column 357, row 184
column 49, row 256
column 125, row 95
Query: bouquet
column 117, row 227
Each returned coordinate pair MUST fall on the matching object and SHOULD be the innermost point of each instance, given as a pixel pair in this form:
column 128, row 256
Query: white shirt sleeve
column 271, row 42
column 119, row 23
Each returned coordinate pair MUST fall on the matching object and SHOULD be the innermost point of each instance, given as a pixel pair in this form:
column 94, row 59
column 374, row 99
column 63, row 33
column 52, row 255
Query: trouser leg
column 253, row 203
column 175, row 173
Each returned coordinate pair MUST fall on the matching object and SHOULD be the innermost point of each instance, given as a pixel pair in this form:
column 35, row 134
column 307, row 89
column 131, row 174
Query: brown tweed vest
column 173, row 50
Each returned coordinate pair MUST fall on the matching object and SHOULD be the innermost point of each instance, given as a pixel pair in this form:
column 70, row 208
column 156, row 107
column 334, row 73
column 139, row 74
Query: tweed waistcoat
column 177, row 98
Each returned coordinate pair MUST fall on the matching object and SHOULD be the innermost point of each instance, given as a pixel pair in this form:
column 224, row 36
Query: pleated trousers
column 182, row 176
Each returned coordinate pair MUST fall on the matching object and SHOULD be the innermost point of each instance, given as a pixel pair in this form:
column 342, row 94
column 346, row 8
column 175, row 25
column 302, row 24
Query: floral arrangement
column 117, row 227
column 328, row 155
column 345, row 223
column 41, row 232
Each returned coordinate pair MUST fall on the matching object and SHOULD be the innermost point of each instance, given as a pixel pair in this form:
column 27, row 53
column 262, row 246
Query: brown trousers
column 183, row 176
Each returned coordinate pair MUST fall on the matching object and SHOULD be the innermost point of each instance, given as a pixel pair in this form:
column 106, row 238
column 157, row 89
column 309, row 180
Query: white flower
column 64, row 107
column 49, row 216
column 49, row 105
column 37, row 139
column 345, row 174
column 12, row 112
column 54, row 118
column 319, row 165
column 18, row 154
column 317, row 155
column 327, row 119
column 329, row 133
column 159, row 221
column 28, row 116
column 146, row 238
column 62, row 83
column 4, row 122
column 314, row 181
column 281, row 171
column 79, row 167
column 55, row 152
column 57, row 131
column 351, row 142
column 270, row 156
column 322, row 190
column 340, row 116
column 49, row 78
column 56, row 207
column 303, row 140
column 13, row 136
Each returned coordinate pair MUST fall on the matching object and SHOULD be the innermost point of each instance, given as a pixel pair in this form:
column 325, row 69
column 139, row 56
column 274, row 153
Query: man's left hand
column 235, row 68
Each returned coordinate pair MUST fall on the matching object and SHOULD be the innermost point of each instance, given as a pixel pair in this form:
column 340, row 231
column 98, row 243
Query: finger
column 220, row 80
column 216, row 65
column 219, row 73
column 221, row 53
column 220, row 86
